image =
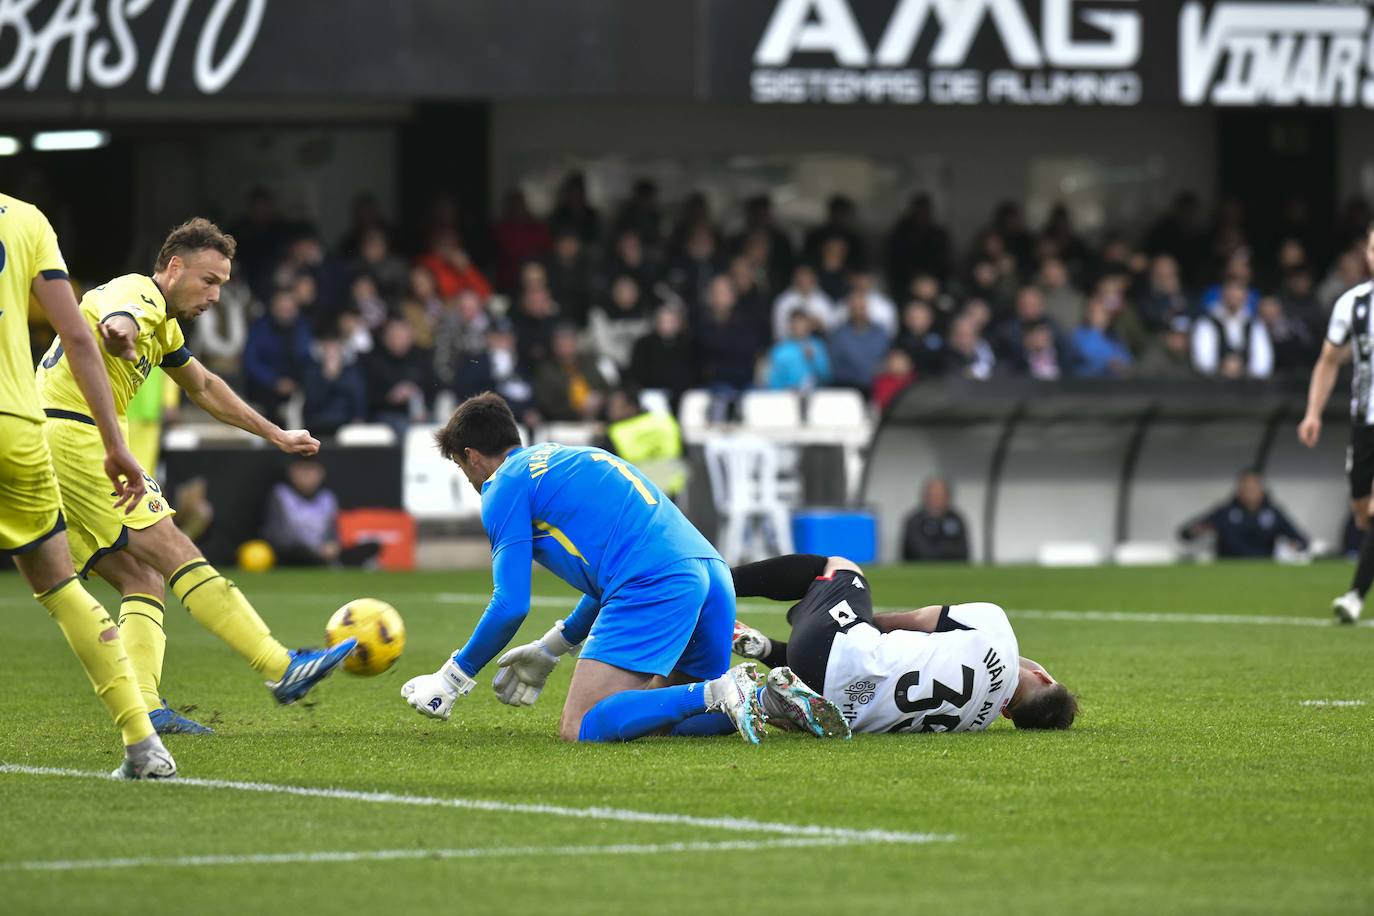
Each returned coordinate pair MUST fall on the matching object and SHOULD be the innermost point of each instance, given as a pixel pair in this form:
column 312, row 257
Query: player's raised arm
column 88, row 368
column 212, row 394
column 1319, row 389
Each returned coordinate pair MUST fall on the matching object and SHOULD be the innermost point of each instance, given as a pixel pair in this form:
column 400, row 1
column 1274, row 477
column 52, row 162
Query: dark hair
column 1053, row 707
column 195, row 235
column 484, row 423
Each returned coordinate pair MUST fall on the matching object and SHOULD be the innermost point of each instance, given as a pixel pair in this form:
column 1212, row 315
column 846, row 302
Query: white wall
column 1134, row 159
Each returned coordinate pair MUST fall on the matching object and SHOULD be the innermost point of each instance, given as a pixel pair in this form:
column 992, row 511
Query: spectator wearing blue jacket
column 798, row 361
column 276, row 354
column 335, row 394
column 857, row 347
column 1097, row 352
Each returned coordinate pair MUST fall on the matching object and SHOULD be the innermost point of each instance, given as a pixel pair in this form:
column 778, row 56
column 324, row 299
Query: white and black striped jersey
column 1350, row 324
column 958, row 678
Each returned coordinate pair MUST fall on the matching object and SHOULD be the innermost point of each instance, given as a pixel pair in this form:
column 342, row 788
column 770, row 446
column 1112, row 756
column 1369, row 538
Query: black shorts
column 830, row 606
column 1359, row 460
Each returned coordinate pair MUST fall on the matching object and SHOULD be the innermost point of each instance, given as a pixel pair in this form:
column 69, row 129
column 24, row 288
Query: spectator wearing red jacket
column 453, row 270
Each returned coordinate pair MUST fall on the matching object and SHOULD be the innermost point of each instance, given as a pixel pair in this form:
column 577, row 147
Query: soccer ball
column 256, row 556
column 379, row 630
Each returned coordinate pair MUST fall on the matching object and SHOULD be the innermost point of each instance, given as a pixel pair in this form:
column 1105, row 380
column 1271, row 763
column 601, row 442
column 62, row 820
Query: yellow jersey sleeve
column 28, row 249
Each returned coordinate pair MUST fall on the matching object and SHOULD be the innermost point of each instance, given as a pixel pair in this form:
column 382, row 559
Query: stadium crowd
column 556, row 310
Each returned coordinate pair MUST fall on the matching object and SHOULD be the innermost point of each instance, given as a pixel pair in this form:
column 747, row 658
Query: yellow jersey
column 28, row 249
column 160, row 343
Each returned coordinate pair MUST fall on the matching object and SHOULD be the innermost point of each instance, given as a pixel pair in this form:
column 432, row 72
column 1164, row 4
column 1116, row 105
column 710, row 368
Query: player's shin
column 94, row 638
column 635, row 713
column 140, row 629
column 219, row 606
column 705, row 725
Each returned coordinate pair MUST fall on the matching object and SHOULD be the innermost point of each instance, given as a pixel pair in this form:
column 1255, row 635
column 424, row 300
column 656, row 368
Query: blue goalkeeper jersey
column 587, row 516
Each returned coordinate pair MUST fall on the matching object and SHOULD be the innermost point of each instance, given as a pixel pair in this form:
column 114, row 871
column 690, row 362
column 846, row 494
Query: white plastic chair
column 432, row 488
column 373, row 434
column 770, row 410
column 694, row 411
column 743, row 472
column 655, row 400
column 836, row 408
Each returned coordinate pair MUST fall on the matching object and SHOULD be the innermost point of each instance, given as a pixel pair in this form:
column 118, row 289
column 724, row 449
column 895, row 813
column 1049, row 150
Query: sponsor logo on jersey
column 861, row 692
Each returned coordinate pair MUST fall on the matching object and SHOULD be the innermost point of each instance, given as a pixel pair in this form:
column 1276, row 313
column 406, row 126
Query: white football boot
column 154, row 763
column 793, row 706
column 1348, row 607
column 736, row 693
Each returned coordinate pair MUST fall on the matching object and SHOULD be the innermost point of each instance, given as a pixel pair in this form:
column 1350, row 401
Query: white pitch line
column 736, row 824
column 1332, row 703
column 391, row 855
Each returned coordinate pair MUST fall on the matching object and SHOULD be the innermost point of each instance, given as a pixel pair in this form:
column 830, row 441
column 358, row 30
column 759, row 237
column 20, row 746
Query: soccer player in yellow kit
column 138, row 316
column 32, row 526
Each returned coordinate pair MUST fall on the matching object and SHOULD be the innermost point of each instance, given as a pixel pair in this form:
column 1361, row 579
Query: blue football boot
column 167, row 721
column 308, row 667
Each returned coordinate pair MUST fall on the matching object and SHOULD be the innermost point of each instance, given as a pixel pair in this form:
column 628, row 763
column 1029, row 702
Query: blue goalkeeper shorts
column 680, row 619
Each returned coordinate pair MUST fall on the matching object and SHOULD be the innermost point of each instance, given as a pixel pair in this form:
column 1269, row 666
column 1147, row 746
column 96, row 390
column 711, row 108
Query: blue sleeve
column 506, row 516
column 822, row 363
column 579, row 623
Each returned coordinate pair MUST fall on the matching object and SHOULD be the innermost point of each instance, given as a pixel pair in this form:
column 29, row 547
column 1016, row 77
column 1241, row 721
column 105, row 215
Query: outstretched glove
column 525, row 669
column 433, row 694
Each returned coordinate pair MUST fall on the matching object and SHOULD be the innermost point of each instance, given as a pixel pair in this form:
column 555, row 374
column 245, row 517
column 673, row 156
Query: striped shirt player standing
column 1350, row 330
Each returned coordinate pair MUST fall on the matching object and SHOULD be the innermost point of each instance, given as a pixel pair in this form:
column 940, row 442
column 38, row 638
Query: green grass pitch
column 1196, row 781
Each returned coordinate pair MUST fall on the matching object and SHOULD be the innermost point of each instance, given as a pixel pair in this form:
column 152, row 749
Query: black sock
column 783, row 578
column 1364, row 571
column 777, row 656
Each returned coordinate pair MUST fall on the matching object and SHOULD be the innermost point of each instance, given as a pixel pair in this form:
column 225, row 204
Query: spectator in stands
column 569, row 386
column 841, row 222
column 1059, row 237
column 1098, row 353
column 759, row 224
column 500, row 372
column 1348, row 271
column 1237, row 272
column 987, row 283
column 917, row 245
column 857, row 346
column 302, row 521
column 1168, row 356
column 519, row 237
column 376, row 260
column 1062, row 300
column 1249, row 525
column 261, row 234
column 366, row 218
column 799, row 361
column 1300, row 301
column 1182, row 234
column 276, row 355
column 573, row 213
column 1009, row 225
column 535, row 317
column 452, row 267
column 1122, row 320
column 1008, row 336
column 335, row 392
column 1039, row 352
column 1228, row 343
column 881, row 310
column 364, row 299
column 355, row 336
column 400, row 379
column 642, row 214
column 629, row 257
column 727, row 346
column 664, row 358
column 623, row 319
column 1162, row 300
column 751, row 301
column 460, row 337
column 935, row 531
column 926, row 288
column 919, row 339
column 649, row 440
column 804, row 294
column 1295, row 348
column 966, row 353
column 219, row 335
column 305, row 256
column 692, row 272
column 568, row 278
column 832, row 267
column 693, row 216
column 898, row 373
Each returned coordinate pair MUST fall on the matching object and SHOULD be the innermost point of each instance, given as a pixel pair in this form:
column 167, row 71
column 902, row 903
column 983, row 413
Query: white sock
column 716, row 690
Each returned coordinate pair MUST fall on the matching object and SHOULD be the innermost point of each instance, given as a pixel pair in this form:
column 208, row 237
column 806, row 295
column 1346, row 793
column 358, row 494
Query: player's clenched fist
column 433, row 694
column 296, row 442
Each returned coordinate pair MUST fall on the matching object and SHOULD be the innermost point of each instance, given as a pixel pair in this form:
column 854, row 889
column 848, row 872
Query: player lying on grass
column 658, row 610
column 138, row 318
column 32, row 525
column 950, row 668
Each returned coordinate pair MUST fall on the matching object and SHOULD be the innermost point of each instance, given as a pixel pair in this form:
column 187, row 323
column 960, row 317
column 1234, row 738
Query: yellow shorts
column 94, row 526
column 30, row 507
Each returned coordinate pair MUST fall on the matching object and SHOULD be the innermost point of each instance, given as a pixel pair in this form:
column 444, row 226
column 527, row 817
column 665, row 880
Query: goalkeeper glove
column 525, row 669
column 433, row 694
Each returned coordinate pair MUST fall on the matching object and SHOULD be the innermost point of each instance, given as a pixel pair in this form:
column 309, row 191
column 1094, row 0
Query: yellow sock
column 95, row 640
column 219, row 606
column 140, row 628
